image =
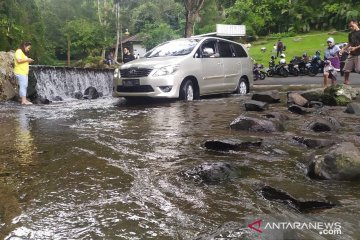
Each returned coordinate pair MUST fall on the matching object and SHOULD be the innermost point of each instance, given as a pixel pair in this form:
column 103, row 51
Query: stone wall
column 8, row 85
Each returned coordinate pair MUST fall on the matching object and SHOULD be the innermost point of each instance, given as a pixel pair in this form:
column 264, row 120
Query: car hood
column 153, row 63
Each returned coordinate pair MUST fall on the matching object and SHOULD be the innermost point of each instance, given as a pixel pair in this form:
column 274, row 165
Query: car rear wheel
column 243, row 87
column 187, row 91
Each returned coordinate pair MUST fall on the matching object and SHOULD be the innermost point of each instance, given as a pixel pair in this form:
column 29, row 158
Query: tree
column 192, row 9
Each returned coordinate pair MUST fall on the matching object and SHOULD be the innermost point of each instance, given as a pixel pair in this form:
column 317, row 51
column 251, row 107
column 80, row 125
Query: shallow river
column 105, row 169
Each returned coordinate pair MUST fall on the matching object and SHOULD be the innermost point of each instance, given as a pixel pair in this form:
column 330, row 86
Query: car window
column 208, row 49
column 225, row 49
column 239, row 50
column 173, row 48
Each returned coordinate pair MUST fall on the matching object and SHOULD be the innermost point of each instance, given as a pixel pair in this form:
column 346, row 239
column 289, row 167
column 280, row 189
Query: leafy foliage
column 91, row 25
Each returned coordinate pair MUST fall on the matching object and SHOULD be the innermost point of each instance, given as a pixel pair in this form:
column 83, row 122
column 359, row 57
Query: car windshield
column 173, row 48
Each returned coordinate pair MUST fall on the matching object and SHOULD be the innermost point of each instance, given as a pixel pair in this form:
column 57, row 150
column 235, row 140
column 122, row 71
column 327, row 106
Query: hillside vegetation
column 295, row 46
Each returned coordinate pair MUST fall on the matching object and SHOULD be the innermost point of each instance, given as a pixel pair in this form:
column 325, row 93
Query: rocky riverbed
column 105, row 168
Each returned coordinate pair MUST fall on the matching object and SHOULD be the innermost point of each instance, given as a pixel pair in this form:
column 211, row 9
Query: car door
column 231, row 65
column 212, row 68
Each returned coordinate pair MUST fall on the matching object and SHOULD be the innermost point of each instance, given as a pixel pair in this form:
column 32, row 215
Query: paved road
column 301, row 82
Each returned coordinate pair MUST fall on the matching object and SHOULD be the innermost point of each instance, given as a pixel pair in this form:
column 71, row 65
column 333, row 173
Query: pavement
column 301, row 82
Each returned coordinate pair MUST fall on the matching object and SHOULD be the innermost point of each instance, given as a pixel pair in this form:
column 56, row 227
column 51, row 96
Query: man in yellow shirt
column 21, row 69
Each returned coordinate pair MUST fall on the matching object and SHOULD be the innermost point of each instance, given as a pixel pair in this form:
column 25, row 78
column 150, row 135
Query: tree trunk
column 192, row 8
column 68, row 51
column 117, row 15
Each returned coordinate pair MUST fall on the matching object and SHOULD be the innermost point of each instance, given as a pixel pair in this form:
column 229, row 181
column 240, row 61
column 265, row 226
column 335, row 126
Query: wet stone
column 254, row 124
column 294, row 98
column 302, row 206
column 353, row 108
column 314, row 143
column 78, row 95
column 300, row 110
column 232, row 144
column 252, row 105
column 268, row 96
column 211, row 173
column 91, row 93
column 326, row 124
column 340, row 162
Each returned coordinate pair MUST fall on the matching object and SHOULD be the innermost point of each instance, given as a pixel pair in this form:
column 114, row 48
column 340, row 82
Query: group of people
column 332, row 62
column 333, row 53
column 127, row 57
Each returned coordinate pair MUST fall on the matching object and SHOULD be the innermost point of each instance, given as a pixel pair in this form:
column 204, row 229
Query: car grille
column 134, row 89
column 135, row 72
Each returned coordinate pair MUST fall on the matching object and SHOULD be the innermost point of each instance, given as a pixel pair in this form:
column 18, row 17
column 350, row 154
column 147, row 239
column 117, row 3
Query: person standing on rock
column 21, row 69
column 332, row 62
column 353, row 46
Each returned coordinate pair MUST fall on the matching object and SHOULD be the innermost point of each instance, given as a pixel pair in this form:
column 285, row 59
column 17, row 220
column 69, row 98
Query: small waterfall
column 65, row 81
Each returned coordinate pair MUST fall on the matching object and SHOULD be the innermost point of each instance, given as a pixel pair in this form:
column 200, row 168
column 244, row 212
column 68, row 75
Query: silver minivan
column 187, row 68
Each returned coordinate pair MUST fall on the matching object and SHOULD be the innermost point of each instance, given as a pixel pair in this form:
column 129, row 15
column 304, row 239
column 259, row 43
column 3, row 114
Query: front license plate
column 131, row 82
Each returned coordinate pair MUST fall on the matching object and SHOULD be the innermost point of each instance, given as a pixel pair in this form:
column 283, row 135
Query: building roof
column 130, row 39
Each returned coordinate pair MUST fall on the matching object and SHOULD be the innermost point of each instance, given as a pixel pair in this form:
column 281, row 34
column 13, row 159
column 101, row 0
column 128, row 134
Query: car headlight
column 116, row 73
column 166, row 70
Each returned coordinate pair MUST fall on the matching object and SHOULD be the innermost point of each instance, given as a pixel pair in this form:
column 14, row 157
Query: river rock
column 232, row 144
column 211, row 173
column 353, row 108
column 313, row 95
column 273, row 194
column 39, row 100
column 297, row 99
column 91, row 93
column 338, row 95
column 78, row 95
column 278, row 116
column 255, row 124
column 8, row 83
column 299, row 110
column 325, row 124
column 252, row 105
column 314, row 142
column 58, row 98
column 268, row 96
column 340, row 162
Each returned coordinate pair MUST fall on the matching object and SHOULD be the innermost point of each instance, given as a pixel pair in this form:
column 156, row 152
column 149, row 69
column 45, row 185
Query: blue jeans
column 23, row 84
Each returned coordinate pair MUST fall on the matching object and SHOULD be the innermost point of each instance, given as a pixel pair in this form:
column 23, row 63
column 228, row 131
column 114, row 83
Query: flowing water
column 106, row 169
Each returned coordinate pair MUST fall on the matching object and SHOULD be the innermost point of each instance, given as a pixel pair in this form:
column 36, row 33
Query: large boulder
column 256, row 124
column 338, row 95
column 8, row 84
column 340, row 162
column 268, row 96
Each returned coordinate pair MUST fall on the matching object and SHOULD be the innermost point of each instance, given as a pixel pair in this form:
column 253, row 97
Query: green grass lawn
column 295, row 46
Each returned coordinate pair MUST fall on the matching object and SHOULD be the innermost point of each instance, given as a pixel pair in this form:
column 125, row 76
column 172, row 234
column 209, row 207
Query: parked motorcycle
column 316, row 65
column 280, row 69
column 293, row 67
column 258, row 71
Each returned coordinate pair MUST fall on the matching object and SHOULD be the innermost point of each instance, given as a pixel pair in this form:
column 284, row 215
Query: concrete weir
column 53, row 82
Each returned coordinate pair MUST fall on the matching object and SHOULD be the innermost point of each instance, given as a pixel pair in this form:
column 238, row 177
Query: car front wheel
column 243, row 87
column 187, row 91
